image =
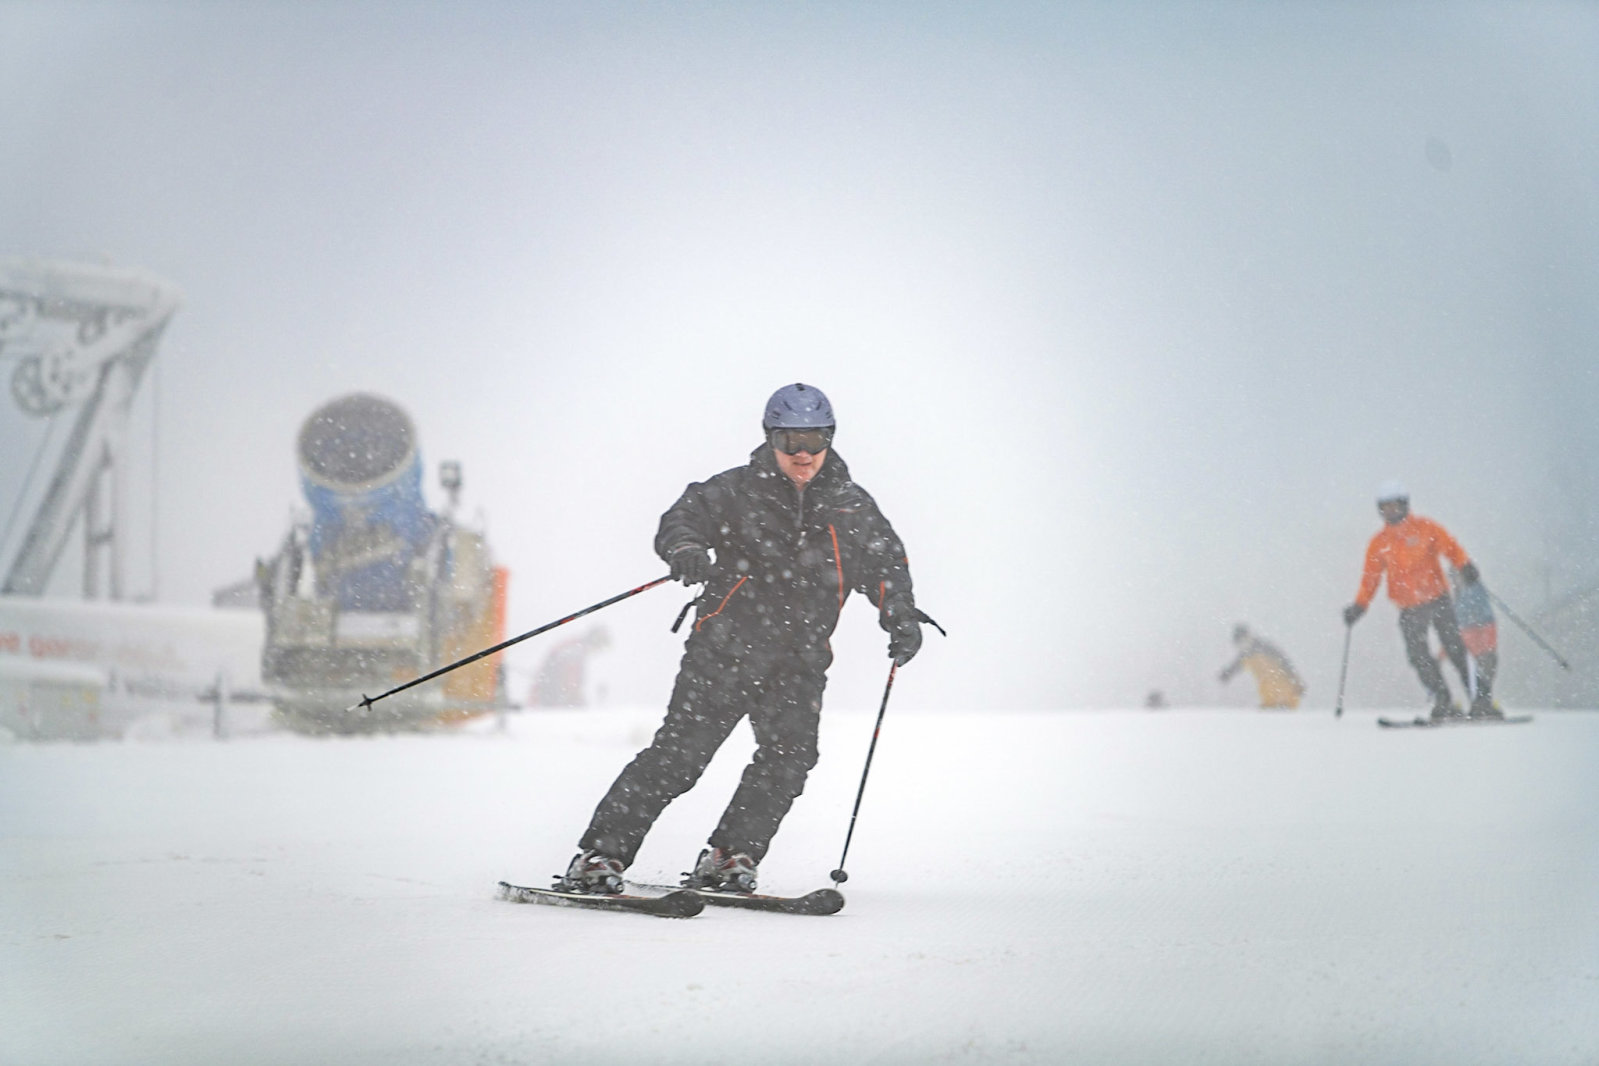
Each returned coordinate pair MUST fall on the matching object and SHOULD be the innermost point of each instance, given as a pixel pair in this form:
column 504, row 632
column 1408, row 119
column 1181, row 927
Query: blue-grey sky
column 1125, row 309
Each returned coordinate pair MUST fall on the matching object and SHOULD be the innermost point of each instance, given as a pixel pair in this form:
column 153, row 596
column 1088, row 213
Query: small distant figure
column 1280, row 687
column 1156, row 700
column 559, row 681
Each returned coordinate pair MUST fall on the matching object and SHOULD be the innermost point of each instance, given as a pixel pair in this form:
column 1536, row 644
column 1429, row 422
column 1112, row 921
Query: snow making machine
column 372, row 589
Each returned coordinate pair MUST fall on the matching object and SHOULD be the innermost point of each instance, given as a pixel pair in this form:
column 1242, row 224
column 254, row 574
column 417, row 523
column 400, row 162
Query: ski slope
column 1082, row 887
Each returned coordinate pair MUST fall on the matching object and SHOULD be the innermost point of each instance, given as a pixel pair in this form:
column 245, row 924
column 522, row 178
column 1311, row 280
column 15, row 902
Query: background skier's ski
column 1438, row 723
column 675, row 904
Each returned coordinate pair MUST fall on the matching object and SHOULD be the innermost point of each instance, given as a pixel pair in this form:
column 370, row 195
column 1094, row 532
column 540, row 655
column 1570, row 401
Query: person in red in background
column 1407, row 550
column 559, row 681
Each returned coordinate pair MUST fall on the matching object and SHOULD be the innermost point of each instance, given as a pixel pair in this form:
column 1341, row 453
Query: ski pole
column 838, row 875
column 367, row 701
column 1544, row 644
column 1343, row 672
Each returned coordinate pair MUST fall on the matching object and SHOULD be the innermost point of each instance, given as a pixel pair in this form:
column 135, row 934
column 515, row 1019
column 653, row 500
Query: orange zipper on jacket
column 701, row 621
column 838, row 563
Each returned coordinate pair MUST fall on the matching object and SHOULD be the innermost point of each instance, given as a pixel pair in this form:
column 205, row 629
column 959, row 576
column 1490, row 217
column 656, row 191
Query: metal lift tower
column 84, row 336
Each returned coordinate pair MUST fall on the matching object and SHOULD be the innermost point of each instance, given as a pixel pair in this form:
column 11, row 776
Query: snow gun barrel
column 361, row 472
column 366, row 701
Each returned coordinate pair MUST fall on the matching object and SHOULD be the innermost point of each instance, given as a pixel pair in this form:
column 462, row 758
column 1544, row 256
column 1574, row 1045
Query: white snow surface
column 1078, row 887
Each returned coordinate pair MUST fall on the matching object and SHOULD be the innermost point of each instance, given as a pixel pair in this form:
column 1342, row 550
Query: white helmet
column 1392, row 489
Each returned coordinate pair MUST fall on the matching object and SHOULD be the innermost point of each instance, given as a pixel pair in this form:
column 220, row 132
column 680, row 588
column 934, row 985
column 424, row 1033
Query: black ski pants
column 781, row 692
column 1414, row 622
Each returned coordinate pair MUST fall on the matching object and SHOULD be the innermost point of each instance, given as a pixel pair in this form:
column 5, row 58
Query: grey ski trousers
column 1436, row 614
column 781, row 693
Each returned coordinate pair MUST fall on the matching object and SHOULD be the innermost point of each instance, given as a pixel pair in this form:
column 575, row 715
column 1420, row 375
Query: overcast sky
column 1125, row 309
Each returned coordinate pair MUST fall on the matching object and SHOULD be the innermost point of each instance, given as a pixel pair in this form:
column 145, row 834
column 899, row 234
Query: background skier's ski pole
column 1343, row 672
column 367, row 701
column 1525, row 627
column 838, row 875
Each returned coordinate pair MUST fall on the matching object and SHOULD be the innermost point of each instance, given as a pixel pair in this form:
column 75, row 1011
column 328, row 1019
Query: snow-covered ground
column 1112, row 887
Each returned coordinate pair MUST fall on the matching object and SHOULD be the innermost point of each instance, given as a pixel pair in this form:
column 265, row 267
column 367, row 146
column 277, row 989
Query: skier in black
column 778, row 545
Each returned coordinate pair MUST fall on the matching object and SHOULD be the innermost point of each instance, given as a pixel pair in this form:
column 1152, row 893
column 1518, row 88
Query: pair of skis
column 665, row 901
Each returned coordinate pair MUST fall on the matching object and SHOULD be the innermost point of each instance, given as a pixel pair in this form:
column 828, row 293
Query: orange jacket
column 1408, row 551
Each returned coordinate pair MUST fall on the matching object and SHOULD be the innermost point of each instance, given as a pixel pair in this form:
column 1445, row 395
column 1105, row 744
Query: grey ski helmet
column 798, row 407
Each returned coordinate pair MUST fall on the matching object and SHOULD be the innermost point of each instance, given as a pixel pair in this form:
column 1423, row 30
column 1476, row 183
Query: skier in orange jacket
column 1407, row 550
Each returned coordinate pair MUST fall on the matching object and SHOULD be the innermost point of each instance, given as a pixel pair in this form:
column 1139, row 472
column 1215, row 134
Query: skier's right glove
column 691, row 564
column 1352, row 613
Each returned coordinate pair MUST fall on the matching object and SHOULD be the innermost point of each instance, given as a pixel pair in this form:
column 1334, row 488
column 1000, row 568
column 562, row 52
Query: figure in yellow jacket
column 1280, row 688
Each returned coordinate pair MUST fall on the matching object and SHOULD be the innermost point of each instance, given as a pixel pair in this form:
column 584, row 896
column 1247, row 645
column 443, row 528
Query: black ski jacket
column 786, row 559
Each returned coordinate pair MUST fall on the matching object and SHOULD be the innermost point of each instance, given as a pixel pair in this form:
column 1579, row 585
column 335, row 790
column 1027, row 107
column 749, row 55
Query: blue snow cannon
column 361, row 472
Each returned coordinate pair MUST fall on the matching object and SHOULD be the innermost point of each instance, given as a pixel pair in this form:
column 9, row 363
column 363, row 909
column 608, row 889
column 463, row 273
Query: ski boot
column 1444, row 708
column 1484, row 707
column 719, row 871
column 593, row 874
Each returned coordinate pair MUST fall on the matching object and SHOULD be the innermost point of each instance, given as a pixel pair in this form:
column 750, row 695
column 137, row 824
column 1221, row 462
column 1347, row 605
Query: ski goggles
column 793, row 441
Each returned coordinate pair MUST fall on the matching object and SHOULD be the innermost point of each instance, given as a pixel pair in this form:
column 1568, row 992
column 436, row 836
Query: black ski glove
column 905, row 640
column 1469, row 575
column 1352, row 613
column 691, row 564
